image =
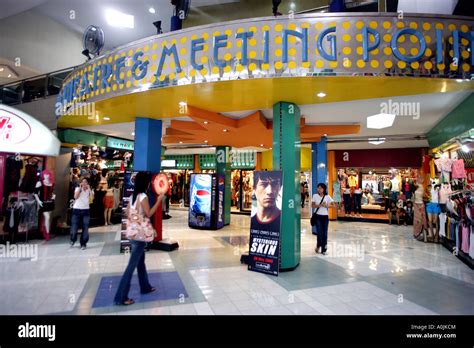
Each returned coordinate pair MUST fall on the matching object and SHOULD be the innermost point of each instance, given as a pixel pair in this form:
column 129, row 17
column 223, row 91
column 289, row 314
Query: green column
column 223, row 168
column 286, row 157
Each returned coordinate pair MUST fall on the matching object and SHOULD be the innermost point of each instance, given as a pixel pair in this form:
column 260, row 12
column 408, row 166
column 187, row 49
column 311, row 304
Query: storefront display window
column 368, row 193
column 241, row 188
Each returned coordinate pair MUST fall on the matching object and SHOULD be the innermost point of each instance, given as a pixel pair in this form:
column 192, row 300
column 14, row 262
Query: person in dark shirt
column 266, row 189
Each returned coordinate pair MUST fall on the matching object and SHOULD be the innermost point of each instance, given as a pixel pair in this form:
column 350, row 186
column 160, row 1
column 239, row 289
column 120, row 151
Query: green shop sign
column 122, row 144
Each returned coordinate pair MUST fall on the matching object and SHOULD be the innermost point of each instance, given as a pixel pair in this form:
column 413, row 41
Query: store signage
column 22, row 133
column 122, row 144
column 168, row 163
column 379, row 158
column 265, row 223
column 279, row 47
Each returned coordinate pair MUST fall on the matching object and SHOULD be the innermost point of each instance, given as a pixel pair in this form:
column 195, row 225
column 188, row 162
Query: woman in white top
column 80, row 212
column 137, row 258
column 322, row 201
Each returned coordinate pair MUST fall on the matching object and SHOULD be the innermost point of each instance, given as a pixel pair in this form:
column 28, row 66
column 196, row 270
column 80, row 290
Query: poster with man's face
column 264, row 253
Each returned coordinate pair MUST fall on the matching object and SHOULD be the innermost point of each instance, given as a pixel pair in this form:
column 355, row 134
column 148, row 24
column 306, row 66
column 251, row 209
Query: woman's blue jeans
column 322, row 224
column 137, row 260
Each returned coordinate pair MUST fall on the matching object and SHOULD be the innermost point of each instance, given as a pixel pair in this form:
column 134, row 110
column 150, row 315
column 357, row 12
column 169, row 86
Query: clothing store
column 27, row 165
column 449, row 198
column 376, row 185
column 102, row 160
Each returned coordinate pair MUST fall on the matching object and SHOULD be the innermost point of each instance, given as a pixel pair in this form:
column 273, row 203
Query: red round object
column 160, row 184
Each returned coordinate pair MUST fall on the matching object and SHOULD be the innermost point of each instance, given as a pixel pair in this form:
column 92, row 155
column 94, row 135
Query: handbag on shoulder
column 139, row 227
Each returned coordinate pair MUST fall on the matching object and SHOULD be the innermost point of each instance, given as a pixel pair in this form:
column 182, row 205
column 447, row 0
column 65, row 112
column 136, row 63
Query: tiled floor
column 370, row 269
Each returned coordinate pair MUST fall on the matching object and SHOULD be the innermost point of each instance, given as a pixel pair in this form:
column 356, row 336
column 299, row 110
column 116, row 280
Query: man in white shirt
column 80, row 212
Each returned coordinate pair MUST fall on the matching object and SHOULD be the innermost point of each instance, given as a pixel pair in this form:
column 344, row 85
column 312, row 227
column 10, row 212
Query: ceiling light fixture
column 321, row 94
column 133, row 133
column 225, row 130
column 106, row 118
column 180, row 142
column 119, row 19
column 376, row 141
column 206, row 122
column 206, row 141
column 261, row 145
column 151, row 10
column 380, row 121
column 292, row 5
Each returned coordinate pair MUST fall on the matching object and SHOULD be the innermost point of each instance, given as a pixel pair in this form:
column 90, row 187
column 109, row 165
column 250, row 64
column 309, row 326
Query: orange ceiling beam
column 254, row 130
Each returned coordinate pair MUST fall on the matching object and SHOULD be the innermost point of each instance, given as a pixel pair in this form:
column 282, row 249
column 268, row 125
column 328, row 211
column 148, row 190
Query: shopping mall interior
column 307, row 157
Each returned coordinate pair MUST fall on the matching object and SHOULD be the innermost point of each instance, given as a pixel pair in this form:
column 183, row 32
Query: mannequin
column 45, row 188
column 109, row 201
column 419, row 221
column 395, row 190
column 357, row 201
column 433, row 210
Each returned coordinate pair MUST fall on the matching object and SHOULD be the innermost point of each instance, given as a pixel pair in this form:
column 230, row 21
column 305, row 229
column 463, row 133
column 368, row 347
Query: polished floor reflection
column 370, row 269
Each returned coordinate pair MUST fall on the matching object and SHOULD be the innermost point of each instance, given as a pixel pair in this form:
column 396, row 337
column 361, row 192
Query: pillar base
column 290, row 268
column 164, row 245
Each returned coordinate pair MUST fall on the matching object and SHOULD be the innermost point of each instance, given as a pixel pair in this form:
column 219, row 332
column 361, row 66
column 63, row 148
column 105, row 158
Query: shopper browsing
column 140, row 203
column 83, row 196
column 322, row 201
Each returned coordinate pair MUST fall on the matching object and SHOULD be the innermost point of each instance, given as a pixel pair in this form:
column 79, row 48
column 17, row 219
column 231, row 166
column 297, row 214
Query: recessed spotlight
column 180, row 142
column 106, row 118
column 206, row 122
column 9, row 75
column 271, row 148
column 133, row 133
column 325, row 134
column 225, row 130
column 206, row 141
column 1, row 69
column 151, row 10
column 321, row 94
column 261, row 145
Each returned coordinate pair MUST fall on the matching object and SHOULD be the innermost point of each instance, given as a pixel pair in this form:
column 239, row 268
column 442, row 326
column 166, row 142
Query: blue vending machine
column 206, row 201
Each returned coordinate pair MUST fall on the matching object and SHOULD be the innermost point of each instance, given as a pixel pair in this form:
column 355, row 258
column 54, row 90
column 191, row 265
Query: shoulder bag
column 314, row 217
column 139, row 227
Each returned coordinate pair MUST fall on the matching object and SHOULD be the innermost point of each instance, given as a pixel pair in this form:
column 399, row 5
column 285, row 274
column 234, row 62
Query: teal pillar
column 223, row 168
column 287, row 158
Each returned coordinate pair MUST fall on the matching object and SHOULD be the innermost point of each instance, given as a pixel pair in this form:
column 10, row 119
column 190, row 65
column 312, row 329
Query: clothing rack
column 451, row 244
